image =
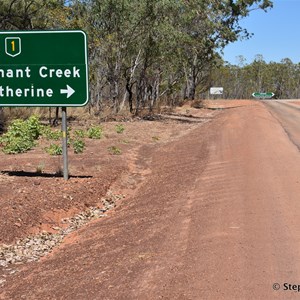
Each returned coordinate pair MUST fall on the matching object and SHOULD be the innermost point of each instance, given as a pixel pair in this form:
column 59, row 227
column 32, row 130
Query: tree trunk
column 2, row 120
column 192, row 88
column 55, row 120
column 130, row 95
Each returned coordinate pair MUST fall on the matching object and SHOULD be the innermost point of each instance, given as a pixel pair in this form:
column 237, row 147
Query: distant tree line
column 240, row 81
column 143, row 52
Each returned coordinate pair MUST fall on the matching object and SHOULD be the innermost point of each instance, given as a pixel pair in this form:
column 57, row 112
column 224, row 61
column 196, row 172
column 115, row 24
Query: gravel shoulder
column 39, row 209
column 210, row 211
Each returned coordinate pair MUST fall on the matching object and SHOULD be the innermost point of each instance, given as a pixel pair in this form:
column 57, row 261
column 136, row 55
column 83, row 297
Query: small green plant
column 114, row 150
column 125, row 141
column 119, row 128
column 40, row 168
column 21, row 135
column 33, row 127
column 95, row 132
column 14, row 145
column 79, row 133
column 69, row 129
column 51, row 134
column 69, row 142
column 78, row 146
column 155, row 138
column 54, row 149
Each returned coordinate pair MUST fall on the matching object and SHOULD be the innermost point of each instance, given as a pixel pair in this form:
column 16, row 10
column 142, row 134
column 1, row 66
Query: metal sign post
column 64, row 129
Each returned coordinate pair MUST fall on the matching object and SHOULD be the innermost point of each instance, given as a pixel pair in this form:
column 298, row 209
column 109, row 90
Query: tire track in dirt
column 239, row 235
column 199, row 231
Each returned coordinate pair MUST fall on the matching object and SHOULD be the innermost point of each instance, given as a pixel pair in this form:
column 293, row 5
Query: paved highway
column 288, row 114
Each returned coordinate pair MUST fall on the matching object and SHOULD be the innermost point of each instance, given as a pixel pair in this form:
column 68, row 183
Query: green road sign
column 43, row 68
column 263, row 95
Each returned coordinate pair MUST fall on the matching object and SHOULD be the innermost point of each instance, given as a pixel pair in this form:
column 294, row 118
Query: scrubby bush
column 114, row 150
column 51, row 134
column 78, row 146
column 21, row 135
column 95, row 132
column 79, row 133
column 119, row 128
column 54, row 149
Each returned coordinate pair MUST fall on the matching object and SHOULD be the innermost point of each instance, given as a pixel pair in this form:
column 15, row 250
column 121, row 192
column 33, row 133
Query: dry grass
column 12, row 113
column 85, row 114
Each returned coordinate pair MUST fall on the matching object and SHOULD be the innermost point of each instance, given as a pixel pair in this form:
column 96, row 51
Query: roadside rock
column 32, row 248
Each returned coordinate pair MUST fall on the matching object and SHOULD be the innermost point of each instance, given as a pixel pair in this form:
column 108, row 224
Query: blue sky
column 276, row 34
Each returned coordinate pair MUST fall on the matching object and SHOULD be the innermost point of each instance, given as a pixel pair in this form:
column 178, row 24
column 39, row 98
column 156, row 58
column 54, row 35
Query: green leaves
column 51, row 134
column 240, row 81
column 54, row 149
column 95, row 132
column 120, row 128
column 114, row 150
column 78, row 146
column 21, row 135
column 141, row 50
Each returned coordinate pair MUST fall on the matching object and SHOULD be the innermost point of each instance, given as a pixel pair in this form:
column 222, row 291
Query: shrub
column 50, row 134
column 95, row 132
column 79, row 133
column 125, row 141
column 54, row 149
column 119, row 128
column 155, row 138
column 14, row 145
column 114, row 150
column 78, row 146
column 40, row 168
column 34, row 127
column 21, row 135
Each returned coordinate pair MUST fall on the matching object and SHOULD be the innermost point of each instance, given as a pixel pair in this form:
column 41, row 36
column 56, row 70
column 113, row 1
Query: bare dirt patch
column 214, row 206
column 34, row 198
column 39, row 209
column 295, row 102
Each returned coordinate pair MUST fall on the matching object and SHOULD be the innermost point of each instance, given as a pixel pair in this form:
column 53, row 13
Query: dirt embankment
column 206, row 214
column 34, row 198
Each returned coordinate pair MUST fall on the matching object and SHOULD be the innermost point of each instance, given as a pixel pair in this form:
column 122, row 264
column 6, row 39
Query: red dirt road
column 217, row 216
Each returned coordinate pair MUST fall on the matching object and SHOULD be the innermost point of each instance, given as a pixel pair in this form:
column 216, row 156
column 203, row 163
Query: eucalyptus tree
column 240, row 81
column 24, row 15
column 28, row 14
column 152, row 48
column 141, row 50
column 210, row 26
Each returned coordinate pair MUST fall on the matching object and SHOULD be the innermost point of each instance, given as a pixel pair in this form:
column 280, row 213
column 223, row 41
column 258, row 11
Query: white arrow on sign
column 69, row 91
